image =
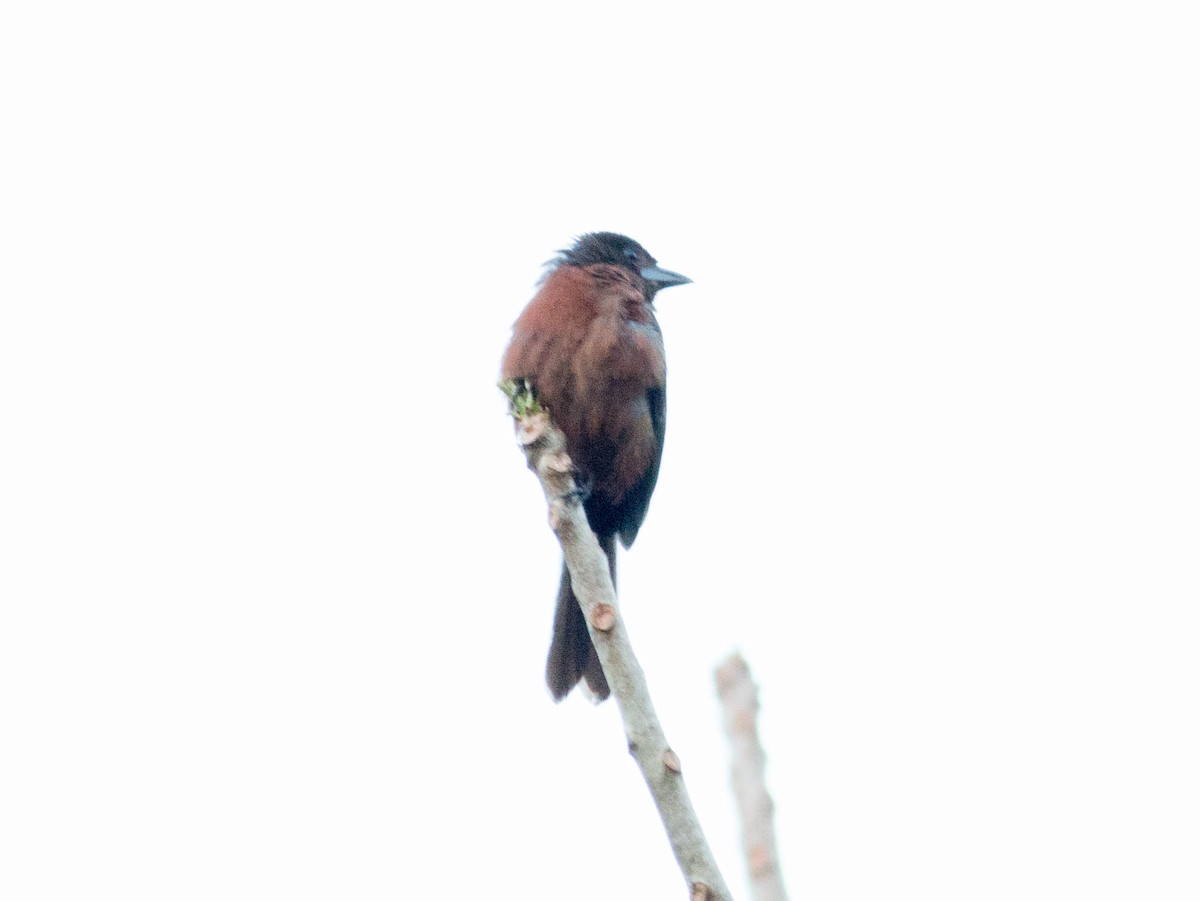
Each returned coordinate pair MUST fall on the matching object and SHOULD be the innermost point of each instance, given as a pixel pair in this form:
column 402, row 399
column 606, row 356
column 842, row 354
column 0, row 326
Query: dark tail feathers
column 572, row 655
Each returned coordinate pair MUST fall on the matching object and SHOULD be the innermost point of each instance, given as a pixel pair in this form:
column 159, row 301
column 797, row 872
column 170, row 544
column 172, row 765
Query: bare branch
column 739, row 700
column 545, row 450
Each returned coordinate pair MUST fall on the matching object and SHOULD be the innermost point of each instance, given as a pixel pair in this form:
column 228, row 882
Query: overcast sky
column 277, row 587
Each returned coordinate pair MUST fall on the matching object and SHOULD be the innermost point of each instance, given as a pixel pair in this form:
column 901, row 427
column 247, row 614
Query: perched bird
column 590, row 346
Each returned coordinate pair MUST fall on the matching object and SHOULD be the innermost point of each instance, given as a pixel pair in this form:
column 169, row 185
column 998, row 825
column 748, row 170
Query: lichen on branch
column 522, row 398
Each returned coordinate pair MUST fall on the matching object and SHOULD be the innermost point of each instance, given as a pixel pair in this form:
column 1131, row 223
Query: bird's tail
column 572, row 654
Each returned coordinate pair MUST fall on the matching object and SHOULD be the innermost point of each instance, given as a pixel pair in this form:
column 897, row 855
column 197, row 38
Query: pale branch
column 739, row 703
column 545, row 451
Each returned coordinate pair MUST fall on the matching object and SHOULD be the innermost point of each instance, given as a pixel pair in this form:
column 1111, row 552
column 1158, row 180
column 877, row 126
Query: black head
column 617, row 250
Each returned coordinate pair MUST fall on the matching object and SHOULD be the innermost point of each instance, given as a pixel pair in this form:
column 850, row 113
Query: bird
column 591, row 348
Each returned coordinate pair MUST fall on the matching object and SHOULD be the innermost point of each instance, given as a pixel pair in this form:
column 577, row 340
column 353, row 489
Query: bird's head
column 612, row 249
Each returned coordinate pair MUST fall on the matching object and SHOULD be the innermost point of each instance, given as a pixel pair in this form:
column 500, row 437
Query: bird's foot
column 583, row 488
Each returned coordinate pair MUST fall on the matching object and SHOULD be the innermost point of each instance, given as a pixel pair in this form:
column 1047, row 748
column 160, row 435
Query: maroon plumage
column 592, row 349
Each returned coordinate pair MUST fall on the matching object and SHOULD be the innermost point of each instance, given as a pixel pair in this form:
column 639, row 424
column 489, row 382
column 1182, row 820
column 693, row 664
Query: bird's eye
column 631, row 253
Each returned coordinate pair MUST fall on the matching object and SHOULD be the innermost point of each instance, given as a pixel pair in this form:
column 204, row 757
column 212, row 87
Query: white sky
column 277, row 586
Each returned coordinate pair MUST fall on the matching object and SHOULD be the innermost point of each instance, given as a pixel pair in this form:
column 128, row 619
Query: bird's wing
column 637, row 501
